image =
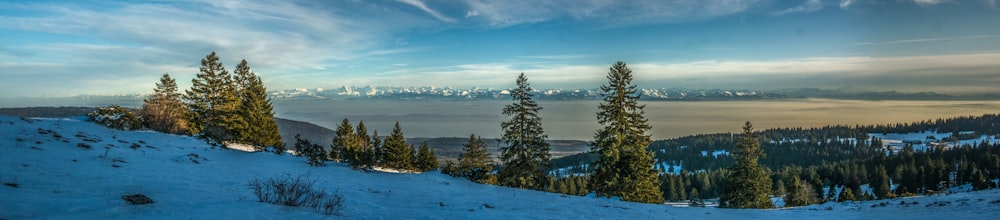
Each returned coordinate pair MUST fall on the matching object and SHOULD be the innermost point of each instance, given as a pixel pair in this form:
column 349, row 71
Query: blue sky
column 63, row 48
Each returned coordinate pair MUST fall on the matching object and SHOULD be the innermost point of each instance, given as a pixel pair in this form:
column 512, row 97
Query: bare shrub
column 296, row 191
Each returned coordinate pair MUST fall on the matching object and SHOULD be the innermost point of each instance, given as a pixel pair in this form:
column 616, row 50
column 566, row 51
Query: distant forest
column 831, row 160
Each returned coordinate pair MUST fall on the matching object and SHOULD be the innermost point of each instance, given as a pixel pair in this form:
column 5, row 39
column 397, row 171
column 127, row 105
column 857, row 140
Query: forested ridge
column 844, row 157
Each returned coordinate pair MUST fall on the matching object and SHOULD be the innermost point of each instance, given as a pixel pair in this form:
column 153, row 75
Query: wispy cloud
column 925, row 40
column 560, row 57
column 808, row 6
column 419, row 4
column 276, row 37
column 845, row 4
column 929, row 2
column 610, row 13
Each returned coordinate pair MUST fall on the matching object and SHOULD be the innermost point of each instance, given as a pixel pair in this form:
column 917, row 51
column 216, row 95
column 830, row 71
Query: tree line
column 220, row 107
column 829, row 163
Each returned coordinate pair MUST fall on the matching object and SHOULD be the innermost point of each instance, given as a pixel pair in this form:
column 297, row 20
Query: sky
column 65, row 48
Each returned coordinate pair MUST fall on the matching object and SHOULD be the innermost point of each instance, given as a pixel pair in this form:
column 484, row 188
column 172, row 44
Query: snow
column 665, row 167
column 189, row 179
column 897, row 141
column 715, row 153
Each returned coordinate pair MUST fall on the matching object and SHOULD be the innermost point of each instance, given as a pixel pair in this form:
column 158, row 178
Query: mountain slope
column 58, row 177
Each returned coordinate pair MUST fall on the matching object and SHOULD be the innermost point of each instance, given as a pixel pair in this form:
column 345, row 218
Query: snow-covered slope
column 58, row 177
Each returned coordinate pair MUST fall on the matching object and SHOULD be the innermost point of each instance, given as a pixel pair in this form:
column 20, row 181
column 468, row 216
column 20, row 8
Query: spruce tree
column 345, row 142
column 846, row 195
column 624, row 167
column 425, row 159
column 257, row 127
column 378, row 150
column 363, row 156
column 164, row 111
column 474, row 161
column 213, row 101
column 880, row 183
column 397, row 153
column 800, row 193
column 525, row 152
column 748, row 183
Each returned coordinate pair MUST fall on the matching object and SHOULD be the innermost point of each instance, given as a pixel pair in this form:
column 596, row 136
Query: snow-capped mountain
column 477, row 93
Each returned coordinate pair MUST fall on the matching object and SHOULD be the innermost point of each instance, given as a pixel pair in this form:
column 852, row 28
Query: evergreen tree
column 255, row 125
column 450, row 168
column 378, row 150
column 315, row 153
column 624, row 167
column 779, row 188
column 213, row 101
column 979, row 181
column 343, row 140
column 748, row 183
column 846, row 195
column 364, row 156
column 163, row 111
column 880, row 183
column 800, row 193
column 397, row 153
column 474, row 161
column 525, row 152
column 425, row 159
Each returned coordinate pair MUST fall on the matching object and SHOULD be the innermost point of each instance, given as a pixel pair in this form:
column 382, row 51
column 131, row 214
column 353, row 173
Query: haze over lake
column 576, row 119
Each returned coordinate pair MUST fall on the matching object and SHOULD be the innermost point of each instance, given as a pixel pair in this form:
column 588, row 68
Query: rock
column 137, row 199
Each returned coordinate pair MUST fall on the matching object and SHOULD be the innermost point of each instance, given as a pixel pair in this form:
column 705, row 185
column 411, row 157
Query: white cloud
column 502, row 13
column 128, row 39
column 923, row 40
column 419, row 4
column 845, row 4
column 808, row 6
column 471, row 13
column 928, row 2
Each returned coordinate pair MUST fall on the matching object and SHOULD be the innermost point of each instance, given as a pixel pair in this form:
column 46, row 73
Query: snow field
column 57, row 178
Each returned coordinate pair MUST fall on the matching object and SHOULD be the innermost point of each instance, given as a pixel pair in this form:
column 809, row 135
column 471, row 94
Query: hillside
column 71, row 169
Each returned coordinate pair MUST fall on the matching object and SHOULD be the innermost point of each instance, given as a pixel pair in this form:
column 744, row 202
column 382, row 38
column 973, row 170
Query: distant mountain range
column 477, row 93
column 652, row 94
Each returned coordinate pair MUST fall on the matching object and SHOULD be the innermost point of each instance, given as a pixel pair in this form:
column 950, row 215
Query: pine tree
column 880, row 183
column 378, row 150
column 425, row 159
column 315, row 154
column 474, row 161
column 345, row 144
column 213, row 101
column 255, row 125
column 748, row 183
column 979, row 181
column 364, row 157
column 846, row 195
column 397, row 152
column 624, row 167
column 525, row 154
column 800, row 193
column 163, row 111
column 450, row 168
